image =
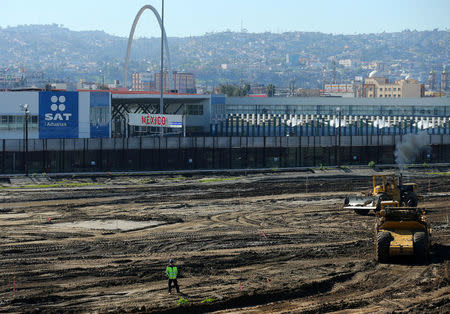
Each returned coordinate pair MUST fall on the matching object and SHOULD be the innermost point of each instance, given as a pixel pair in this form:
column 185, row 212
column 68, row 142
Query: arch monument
column 130, row 41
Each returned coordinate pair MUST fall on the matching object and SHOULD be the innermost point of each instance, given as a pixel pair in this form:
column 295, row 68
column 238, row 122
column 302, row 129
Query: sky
column 196, row 17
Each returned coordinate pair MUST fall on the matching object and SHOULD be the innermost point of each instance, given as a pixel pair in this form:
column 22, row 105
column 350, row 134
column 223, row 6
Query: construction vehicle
column 401, row 231
column 385, row 187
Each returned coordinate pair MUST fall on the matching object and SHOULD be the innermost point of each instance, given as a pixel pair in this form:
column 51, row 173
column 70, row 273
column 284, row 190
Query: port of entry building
column 90, row 130
column 100, row 114
column 425, row 106
column 95, row 114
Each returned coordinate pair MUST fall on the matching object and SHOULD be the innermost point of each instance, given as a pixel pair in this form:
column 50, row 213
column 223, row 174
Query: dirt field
column 277, row 242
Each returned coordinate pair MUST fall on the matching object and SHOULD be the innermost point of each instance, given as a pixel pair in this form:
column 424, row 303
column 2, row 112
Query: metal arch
column 130, row 41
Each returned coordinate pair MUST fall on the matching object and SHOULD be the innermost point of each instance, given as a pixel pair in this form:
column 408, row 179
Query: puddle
column 123, row 225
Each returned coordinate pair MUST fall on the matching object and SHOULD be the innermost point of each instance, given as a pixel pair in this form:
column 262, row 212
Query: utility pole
column 161, row 101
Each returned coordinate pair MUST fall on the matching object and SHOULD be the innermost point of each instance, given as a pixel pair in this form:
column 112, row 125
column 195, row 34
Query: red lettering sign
column 155, row 120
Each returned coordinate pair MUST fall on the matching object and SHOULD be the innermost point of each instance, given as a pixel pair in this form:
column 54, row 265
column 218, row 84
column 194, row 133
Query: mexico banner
column 156, row 120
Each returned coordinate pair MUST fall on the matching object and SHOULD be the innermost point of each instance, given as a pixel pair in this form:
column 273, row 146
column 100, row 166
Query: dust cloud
column 409, row 149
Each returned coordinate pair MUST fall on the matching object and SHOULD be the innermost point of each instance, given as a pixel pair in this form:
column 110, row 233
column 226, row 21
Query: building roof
column 339, row 101
column 130, row 97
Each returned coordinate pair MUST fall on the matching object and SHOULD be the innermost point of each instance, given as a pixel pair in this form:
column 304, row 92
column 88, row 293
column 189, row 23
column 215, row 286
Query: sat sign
column 58, row 115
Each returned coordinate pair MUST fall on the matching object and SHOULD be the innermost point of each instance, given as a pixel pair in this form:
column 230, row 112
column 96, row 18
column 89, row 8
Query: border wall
column 177, row 153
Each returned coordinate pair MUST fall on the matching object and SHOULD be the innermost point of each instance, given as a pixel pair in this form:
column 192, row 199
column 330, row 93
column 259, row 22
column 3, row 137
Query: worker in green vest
column 172, row 273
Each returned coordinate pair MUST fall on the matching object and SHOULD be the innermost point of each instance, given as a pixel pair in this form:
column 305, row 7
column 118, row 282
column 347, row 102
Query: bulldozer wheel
column 420, row 247
column 410, row 199
column 362, row 211
column 382, row 246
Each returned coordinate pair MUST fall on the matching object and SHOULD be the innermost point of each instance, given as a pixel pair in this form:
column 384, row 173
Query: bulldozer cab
column 386, row 184
column 383, row 182
column 410, row 187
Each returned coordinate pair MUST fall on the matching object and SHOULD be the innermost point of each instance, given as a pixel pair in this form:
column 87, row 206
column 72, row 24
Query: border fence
column 324, row 125
column 227, row 152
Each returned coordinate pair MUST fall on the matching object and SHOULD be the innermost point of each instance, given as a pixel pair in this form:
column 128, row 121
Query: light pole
column 25, row 135
column 339, row 137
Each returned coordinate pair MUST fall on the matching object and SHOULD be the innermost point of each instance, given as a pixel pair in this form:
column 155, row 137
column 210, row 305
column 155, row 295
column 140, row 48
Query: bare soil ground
column 277, row 242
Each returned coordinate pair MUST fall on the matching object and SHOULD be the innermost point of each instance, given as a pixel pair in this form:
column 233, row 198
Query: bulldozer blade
column 360, row 203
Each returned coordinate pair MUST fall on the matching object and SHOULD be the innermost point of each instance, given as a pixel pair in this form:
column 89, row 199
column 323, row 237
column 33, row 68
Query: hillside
column 226, row 57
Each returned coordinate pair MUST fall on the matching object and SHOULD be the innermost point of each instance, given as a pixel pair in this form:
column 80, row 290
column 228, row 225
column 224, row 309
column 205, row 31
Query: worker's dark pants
column 175, row 284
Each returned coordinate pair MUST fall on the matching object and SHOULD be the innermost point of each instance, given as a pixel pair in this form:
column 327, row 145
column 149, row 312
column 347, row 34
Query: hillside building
column 379, row 87
column 142, row 81
column 338, row 90
column 183, row 83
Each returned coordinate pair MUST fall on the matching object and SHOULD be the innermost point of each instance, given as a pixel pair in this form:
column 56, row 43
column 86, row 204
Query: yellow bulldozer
column 385, row 187
column 401, row 231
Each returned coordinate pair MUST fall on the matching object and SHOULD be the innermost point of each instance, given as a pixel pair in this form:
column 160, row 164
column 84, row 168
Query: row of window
column 17, row 119
column 389, row 89
column 394, row 96
column 326, row 109
column 99, row 116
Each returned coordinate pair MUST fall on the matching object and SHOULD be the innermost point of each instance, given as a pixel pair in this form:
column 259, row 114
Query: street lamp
column 25, row 136
column 338, row 109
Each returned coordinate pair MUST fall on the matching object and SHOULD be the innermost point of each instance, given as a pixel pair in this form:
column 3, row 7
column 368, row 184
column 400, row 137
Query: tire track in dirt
column 318, row 257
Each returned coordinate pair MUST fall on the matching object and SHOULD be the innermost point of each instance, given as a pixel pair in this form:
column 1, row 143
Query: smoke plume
column 409, row 149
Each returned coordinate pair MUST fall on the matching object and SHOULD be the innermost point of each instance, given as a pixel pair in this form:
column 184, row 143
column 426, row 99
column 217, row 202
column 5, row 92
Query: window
column 399, row 89
column 99, row 116
column 381, row 89
column 17, row 122
column 194, row 110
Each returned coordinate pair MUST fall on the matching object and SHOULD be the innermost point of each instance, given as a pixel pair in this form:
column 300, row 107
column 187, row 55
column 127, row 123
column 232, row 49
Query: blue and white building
column 55, row 114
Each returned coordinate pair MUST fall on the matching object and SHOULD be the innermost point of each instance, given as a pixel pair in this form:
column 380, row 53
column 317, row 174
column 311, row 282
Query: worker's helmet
column 170, row 261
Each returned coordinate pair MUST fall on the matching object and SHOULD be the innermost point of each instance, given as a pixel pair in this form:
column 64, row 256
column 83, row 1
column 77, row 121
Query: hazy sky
column 196, row 17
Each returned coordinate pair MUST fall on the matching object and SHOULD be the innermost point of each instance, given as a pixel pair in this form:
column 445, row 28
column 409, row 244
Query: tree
column 270, row 90
column 233, row 90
